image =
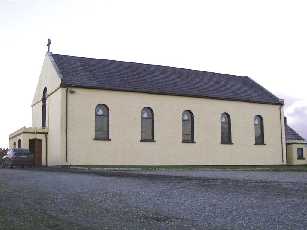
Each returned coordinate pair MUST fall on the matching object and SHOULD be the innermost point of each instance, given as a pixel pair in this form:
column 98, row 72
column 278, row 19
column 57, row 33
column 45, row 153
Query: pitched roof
column 136, row 77
column 291, row 134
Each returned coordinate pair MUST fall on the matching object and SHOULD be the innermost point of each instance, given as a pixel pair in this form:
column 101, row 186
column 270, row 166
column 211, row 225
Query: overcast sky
column 263, row 39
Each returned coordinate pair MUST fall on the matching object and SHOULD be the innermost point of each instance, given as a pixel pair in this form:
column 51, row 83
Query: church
column 98, row 112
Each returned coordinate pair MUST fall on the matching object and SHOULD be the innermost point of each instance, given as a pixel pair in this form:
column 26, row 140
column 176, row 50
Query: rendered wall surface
column 48, row 78
column 55, row 111
column 56, row 127
column 292, row 154
column 125, row 147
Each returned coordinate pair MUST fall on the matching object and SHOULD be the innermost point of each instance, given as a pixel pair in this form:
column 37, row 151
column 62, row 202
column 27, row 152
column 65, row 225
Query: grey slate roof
column 136, row 77
column 292, row 135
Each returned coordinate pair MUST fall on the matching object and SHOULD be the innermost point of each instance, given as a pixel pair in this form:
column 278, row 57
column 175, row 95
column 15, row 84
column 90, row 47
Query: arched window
column 187, row 126
column 44, row 107
column 259, row 133
column 147, row 124
column 225, row 129
column 102, row 122
column 19, row 143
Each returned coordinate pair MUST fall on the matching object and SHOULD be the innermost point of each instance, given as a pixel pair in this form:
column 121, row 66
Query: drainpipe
column 46, row 148
column 281, row 134
column 66, row 127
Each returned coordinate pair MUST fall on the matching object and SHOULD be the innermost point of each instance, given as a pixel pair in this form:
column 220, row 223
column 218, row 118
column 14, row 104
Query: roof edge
column 296, row 142
column 299, row 137
column 57, row 69
column 28, row 130
column 281, row 101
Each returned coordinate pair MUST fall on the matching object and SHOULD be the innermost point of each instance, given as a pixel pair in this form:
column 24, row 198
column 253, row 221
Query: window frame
column 152, row 125
column 298, row 157
column 107, row 117
column 191, row 121
column 261, row 127
column 229, row 129
column 44, row 108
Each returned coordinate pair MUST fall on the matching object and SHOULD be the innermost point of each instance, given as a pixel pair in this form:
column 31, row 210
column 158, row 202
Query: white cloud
column 296, row 113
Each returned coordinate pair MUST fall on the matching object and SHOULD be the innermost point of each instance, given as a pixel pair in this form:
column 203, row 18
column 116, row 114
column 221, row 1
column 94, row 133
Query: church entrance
column 35, row 146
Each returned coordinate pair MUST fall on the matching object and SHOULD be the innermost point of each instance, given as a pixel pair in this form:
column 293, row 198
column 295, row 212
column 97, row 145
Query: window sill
column 102, row 139
column 260, row 144
column 189, row 142
column 147, row 141
column 300, row 159
column 227, row 143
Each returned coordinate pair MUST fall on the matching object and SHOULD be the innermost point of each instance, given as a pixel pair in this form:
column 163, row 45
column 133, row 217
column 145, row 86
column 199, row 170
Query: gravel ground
column 39, row 199
column 264, row 176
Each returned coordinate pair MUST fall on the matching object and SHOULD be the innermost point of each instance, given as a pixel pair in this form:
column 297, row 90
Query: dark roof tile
column 291, row 134
column 136, row 77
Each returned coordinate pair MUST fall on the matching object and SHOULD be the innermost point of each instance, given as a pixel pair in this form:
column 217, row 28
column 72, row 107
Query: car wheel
column 6, row 165
column 9, row 164
column 3, row 164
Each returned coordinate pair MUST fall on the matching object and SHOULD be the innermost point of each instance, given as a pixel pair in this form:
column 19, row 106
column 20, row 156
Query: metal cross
column 48, row 44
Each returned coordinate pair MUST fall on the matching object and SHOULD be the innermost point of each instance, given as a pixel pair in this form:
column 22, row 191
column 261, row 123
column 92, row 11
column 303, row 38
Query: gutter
column 64, row 85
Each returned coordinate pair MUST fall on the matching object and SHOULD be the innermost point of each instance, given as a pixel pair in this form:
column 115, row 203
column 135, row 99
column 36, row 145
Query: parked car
column 2, row 152
column 17, row 157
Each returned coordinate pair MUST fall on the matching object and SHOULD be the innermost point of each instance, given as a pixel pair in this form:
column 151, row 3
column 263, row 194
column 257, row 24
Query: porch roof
column 28, row 130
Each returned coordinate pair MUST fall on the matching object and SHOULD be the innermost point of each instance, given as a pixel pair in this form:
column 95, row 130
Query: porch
column 34, row 139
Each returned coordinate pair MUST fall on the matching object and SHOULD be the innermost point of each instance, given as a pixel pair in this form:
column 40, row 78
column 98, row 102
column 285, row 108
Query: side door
column 35, row 147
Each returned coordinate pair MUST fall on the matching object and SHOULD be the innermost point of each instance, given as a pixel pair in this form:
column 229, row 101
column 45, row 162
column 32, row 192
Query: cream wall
column 55, row 124
column 56, row 127
column 125, row 147
column 292, row 153
column 49, row 78
column 55, row 121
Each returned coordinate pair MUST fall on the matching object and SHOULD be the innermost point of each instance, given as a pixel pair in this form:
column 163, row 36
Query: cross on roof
column 49, row 44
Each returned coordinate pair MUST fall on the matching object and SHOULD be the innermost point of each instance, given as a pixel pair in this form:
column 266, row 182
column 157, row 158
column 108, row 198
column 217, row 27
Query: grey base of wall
column 188, row 167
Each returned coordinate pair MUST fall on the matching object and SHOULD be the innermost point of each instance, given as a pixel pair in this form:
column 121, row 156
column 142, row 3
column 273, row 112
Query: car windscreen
column 22, row 152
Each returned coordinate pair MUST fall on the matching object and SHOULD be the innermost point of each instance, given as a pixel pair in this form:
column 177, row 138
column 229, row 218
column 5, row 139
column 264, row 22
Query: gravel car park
column 106, row 199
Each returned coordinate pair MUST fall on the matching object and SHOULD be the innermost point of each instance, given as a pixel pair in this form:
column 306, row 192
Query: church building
column 88, row 111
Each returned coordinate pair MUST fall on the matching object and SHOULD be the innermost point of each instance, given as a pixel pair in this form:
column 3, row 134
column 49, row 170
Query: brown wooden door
column 35, row 146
